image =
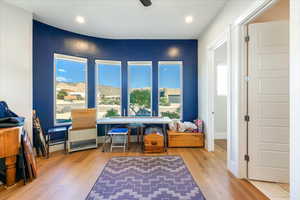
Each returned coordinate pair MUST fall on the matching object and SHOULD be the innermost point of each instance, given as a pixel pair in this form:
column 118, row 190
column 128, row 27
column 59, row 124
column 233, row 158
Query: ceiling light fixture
column 189, row 19
column 146, row 3
column 80, row 19
column 173, row 52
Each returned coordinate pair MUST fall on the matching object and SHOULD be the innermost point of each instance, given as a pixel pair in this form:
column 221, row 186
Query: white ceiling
column 165, row 19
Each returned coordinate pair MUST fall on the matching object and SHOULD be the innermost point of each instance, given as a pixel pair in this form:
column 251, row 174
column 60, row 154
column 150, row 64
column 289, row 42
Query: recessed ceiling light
column 80, row 19
column 189, row 19
column 173, row 52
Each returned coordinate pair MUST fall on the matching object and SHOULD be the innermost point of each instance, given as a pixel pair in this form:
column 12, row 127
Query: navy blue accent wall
column 48, row 40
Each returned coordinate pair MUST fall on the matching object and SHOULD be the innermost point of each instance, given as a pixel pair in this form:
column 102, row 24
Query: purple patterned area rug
column 145, row 178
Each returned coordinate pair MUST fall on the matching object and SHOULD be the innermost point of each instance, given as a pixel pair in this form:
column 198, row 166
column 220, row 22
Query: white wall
column 231, row 12
column 227, row 16
column 16, row 60
column 295, row 99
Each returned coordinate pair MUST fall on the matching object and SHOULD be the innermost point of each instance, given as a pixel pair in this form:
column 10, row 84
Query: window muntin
column 108, row 88
column 70, row 86
column 170, row 89
column 140, row 88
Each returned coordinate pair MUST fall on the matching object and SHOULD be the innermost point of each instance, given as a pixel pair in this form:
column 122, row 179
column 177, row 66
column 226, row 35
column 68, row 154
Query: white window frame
column 142, row 63
column 181, row 84
column 70, row 58
column 109, row 62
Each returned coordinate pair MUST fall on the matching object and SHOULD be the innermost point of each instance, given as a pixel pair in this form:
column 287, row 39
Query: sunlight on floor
column 274, row 191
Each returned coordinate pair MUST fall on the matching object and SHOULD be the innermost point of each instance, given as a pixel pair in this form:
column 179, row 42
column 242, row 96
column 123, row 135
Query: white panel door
column 268, row 101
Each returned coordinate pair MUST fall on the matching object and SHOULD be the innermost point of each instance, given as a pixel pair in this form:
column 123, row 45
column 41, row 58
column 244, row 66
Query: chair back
column 84, row 118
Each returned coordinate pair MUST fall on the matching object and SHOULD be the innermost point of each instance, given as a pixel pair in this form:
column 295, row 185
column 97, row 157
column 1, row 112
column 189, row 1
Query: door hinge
column 247, row 118
column 247, row 158
column 247, row 38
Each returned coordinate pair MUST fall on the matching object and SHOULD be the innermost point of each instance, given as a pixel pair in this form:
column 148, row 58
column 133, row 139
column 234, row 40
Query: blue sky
column 70, row 71
column 169, row 76
column 109, row 75
column 140, row 76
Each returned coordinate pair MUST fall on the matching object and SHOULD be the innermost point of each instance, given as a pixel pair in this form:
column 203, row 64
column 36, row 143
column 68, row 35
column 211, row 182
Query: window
column 108, row 88
column 139, row 88
column 222, row 80
column 70, row 86
column 170, row 89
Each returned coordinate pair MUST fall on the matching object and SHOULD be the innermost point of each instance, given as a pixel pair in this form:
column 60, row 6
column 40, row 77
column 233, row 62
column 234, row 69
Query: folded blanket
column 6, row 122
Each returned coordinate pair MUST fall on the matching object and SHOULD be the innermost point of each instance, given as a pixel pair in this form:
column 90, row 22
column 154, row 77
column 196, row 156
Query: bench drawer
column 179, row 139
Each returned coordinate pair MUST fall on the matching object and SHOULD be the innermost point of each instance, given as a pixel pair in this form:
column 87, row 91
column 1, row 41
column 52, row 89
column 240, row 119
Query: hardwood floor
column 221, row 143
column 71, row 176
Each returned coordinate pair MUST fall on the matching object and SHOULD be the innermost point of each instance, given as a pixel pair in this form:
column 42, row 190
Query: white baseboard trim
column 233, row 168
column 221, row 135
column 60, row 147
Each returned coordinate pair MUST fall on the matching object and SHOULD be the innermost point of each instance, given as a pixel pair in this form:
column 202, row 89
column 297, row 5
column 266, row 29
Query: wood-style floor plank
column 71, row 176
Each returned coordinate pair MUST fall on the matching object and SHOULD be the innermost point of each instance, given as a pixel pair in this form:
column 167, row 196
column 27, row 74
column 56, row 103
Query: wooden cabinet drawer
column 153, row 143
column 177, row 139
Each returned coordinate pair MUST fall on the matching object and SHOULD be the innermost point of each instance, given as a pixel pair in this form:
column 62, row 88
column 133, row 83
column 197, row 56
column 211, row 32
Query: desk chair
column 83, row 132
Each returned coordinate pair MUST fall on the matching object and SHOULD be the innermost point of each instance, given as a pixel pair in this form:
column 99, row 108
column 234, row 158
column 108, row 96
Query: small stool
column 52, row 138
column 115, row 132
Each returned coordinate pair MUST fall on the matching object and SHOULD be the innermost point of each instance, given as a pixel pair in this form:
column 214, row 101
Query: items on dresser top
column 8, row 118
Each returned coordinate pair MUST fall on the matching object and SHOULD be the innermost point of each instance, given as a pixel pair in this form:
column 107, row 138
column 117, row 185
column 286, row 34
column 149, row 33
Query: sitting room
column 149, row 99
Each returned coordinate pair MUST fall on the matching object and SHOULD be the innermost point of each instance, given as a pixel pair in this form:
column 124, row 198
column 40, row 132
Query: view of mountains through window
column 170, row 89
column 71, row 88
column 108, row 88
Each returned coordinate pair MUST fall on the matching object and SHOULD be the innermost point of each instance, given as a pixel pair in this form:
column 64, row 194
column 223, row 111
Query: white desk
column 135, row 120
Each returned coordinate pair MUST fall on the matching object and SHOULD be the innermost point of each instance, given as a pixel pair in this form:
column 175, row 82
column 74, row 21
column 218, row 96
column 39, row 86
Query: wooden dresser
column 9, row 149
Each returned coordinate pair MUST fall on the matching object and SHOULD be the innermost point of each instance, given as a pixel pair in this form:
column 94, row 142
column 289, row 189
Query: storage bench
column 183, row 139
column 153, row 140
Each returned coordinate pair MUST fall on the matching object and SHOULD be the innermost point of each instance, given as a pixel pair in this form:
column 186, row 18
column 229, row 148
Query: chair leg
column 142, row 138
column 111, row 143
column 138, row 134
column 104, row 143
column 125, row 141
column 47, row 144
column 128, row 138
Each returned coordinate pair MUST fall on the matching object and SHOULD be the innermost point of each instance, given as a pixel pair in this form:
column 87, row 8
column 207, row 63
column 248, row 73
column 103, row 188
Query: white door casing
column 268, row 101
